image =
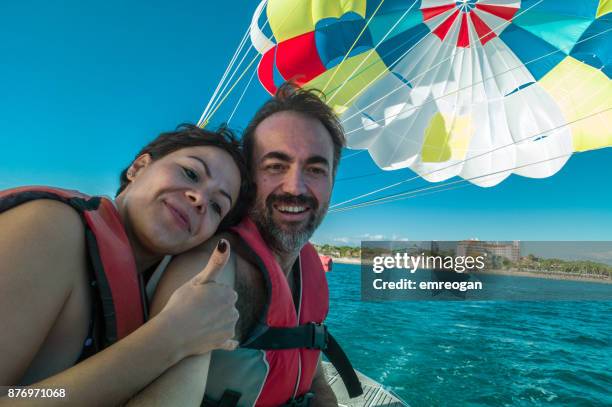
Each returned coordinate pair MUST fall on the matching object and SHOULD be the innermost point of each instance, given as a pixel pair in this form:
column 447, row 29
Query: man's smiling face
column 292, row 166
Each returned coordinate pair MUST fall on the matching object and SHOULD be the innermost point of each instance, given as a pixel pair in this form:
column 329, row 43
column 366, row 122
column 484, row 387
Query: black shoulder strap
column 230, row 398
column 310, row 336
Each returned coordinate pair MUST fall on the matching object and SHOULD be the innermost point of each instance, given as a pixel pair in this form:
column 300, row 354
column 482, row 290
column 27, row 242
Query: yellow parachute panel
column 435, row 143
column 371, row 67
column 440, row 144
column 289, row 19
column 582, row 91
column 605, row 6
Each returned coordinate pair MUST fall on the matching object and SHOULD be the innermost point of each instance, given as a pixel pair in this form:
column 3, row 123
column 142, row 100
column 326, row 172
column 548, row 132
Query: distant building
column 510, row 251
column 435, row 247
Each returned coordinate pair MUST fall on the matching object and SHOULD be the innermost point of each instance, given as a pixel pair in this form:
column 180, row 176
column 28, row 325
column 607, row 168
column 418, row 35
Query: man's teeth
column 292, row 209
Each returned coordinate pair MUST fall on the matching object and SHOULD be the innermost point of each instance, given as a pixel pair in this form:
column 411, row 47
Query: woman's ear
column 138, row 165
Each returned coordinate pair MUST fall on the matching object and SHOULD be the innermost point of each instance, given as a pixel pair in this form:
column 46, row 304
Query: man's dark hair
column 189, row 135
column 290, row 97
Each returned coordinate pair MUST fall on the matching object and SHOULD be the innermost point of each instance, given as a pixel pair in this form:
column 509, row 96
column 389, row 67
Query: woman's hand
column 201, row 313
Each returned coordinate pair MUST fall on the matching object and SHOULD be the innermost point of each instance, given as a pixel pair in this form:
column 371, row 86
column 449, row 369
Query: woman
column 65, row 278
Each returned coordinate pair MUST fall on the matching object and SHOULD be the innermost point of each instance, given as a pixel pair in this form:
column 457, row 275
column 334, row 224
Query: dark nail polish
column 222, row 245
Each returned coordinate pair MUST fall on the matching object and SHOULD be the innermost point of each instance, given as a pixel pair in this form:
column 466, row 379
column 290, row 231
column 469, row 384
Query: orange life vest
column 113, row 267
column 276, row 364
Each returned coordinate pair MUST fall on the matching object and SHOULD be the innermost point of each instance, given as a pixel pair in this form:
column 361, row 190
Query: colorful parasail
column 479, row 89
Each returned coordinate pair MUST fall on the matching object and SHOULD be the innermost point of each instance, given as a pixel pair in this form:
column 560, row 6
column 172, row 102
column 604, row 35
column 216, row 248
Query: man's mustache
column 292, row 200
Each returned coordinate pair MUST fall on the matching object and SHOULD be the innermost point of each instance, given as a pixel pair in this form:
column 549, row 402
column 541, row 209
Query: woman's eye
column 216, row 207
column 191, row 174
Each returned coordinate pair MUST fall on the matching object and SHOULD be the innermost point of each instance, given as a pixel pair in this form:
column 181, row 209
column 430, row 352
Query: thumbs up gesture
column 202, row 312
column 215, row 265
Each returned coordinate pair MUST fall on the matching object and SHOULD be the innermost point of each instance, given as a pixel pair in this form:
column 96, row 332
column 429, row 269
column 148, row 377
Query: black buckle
column 302, row 401
column 319, row 336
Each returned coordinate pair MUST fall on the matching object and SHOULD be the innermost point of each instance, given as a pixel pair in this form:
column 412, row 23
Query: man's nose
column 198, row 199
column 294, row 183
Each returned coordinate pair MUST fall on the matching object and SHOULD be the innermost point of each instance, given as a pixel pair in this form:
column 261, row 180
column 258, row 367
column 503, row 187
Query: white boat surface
column 374, row 394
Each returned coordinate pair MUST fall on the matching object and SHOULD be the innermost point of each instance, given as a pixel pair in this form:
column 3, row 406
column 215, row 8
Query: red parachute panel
column 265, row 71
column 297, row 59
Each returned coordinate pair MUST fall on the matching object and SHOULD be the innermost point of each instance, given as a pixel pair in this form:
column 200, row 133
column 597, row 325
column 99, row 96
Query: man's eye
column 318, row 171
column 275, row 167
column 216, row 207
column 191, row 174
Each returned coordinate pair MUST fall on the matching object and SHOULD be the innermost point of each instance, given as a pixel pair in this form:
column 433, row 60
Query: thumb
column 215, row 264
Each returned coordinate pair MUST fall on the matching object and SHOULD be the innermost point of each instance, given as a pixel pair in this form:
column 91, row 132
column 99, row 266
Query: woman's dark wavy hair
column 309, row 102
column 189, row 135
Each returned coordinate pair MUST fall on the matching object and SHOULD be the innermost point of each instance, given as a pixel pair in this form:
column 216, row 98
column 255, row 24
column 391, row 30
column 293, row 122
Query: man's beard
column 287, row 238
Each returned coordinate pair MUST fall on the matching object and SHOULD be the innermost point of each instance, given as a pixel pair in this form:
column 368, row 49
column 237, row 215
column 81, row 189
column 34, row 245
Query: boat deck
column 374, row 394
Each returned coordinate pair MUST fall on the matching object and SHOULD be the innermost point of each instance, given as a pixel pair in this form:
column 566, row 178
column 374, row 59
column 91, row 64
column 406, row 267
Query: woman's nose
column 198, row 199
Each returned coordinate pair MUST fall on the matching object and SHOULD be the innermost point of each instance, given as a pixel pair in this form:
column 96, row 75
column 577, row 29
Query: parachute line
column 408, row 194
column 242, row 96
column 415, row 192
column 227, row 70
column 455, row 91
column 212, row 113
column 229, row 91
column 471, row 158
column 207, row 119
column 399, row 20
column 426, row 71
column 353, row 154
column 223, row 93
column 352, row 46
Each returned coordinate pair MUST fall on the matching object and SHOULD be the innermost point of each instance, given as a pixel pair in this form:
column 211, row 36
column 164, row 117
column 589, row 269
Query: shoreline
column 548, row 276
column 529, row 274
column 346, row 260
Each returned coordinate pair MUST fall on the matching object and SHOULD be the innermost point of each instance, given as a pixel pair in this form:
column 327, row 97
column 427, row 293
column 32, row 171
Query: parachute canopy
column 473, row 88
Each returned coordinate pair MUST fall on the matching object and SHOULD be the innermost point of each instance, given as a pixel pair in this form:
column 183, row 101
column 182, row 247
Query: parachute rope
column 227, row 70
column 353, row 154
column 423, row 73
column 206, row 116
column 448, row 94
column 414, row 193
column 455, row 91
column 223, row 93
column 459, row 90
column 352, row 46
column 242, row 96
column 245, row 71
column 333, row 207
column 399, row 20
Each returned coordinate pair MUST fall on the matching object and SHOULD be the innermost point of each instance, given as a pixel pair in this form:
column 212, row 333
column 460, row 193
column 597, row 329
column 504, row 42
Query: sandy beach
column 549, row 275
column 531, row 274
column 346, row 260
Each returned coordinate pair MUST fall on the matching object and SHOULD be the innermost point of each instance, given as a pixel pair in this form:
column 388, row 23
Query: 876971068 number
column 33, row 393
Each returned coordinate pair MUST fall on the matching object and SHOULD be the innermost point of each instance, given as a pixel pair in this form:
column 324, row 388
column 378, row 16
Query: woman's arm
column 41, row 252
column 184, row 383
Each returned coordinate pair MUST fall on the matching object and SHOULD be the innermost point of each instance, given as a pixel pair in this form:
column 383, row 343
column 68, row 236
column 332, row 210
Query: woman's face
column 177, row 202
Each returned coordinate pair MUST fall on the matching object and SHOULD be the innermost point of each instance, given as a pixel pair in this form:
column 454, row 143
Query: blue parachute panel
column 538, row 55
column 595, row 46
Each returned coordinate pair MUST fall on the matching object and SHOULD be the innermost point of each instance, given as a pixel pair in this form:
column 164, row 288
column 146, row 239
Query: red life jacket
column 110, row 254
column 276, row 364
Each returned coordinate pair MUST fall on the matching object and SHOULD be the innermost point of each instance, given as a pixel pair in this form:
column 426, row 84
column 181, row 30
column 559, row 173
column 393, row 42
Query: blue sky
column 85, row 85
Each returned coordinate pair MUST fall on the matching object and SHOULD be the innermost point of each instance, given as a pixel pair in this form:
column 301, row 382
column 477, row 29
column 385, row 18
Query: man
column 292, row 146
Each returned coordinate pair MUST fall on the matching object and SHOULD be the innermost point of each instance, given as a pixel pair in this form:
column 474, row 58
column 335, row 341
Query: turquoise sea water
column 477, row 353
